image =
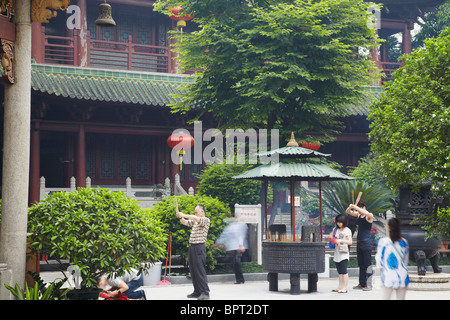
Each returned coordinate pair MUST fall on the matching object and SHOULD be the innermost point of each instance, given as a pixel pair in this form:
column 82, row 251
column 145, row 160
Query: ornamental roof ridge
column 110, row 73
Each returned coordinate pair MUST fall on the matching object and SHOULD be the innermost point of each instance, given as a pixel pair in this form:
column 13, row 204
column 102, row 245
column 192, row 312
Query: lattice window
column 420, row 202
column 106, row 147
column 90, row 156
column 163, row 29
column 124, row 150
column 110, row 159
column 125, row 22
column 143, row 156
column 144, row 30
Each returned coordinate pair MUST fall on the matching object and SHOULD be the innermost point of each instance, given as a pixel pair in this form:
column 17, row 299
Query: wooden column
column 293, row 208
column 35, row 163
column 406, row 37
column 81, row 157
column 37, row 45
column 320, row 210
column 265, row 186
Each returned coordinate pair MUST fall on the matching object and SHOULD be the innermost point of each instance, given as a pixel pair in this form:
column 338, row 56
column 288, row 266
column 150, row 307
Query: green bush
column 215, row 210
column 436, row 225
column 98, row 230
column 311, row 206
column 216, row 181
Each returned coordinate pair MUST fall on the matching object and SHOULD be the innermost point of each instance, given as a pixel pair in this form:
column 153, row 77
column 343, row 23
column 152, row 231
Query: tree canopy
column 287, row 64
column 435, row 23
column 411, row 122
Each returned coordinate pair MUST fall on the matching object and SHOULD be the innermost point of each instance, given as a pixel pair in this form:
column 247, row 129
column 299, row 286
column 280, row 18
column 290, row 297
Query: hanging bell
column 105, row 17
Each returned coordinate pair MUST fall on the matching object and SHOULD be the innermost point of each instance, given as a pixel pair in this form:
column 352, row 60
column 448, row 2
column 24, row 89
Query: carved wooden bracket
column 7, row 9
column 7, row 60
column 44, row 10
column 81, row 112
column 129, row 115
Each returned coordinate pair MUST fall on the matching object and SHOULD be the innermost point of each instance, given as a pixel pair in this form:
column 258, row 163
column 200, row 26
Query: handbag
column 331, row 244
column 343, row 248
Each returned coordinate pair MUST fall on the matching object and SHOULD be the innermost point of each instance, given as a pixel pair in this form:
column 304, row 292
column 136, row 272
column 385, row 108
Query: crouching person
column 127, row 284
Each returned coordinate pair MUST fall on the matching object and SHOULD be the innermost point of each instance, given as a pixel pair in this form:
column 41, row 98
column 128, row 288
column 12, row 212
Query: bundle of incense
column 358, row 198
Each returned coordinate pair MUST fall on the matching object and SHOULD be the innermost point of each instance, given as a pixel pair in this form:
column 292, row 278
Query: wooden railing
column 129, row 56
column 388, row 69
column 107, row 54
column 59, row 50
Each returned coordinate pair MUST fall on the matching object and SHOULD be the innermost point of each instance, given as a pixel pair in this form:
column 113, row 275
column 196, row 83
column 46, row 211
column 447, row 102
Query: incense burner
column 295, row 258
column 412, row 204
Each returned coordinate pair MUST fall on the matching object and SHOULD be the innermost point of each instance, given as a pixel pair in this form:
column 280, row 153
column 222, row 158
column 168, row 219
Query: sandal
column 342, row 291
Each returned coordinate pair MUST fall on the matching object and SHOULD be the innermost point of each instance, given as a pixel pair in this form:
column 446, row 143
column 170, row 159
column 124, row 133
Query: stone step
column 429, row 282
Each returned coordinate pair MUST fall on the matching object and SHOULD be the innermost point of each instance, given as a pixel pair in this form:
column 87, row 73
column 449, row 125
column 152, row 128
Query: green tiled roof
column 299, row 171
column 107, row 85
column 361, row 106
column 295, row 152
column 134, row 87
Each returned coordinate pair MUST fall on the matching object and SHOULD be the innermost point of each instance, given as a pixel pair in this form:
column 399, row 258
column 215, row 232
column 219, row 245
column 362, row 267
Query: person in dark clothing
column 364, row 244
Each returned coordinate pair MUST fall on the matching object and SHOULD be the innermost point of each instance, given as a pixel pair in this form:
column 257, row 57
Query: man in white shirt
column 234, row 237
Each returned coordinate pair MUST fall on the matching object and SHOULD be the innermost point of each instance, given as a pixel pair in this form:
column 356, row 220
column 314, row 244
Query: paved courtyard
column 259, row 290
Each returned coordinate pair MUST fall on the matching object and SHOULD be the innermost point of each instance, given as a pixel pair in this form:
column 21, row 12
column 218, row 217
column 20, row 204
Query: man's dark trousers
column 197, row 268
column 364, row 257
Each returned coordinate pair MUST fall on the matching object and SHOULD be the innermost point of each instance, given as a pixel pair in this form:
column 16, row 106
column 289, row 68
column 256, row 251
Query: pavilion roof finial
column 292, row 142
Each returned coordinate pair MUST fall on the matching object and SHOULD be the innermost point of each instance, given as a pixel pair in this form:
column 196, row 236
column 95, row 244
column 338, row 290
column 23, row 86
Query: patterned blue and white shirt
column 393, row 258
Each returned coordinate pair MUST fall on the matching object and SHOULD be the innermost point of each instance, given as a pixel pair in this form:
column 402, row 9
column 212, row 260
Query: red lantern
column 181, row 20
column 181, row 142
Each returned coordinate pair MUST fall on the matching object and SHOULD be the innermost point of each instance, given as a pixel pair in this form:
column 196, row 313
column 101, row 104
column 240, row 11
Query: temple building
column 100, row 96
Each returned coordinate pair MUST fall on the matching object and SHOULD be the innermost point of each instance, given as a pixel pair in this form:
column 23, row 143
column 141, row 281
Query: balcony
column 70, row 51
column 60, row 50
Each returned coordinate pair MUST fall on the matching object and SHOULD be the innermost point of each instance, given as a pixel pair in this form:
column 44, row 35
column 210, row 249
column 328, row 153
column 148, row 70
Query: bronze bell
column 105, row 17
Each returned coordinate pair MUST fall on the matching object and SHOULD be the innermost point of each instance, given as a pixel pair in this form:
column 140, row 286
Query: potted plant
column 98, row 230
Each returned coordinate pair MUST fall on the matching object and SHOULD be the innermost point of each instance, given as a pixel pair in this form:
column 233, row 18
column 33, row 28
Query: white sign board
column 248, row 213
